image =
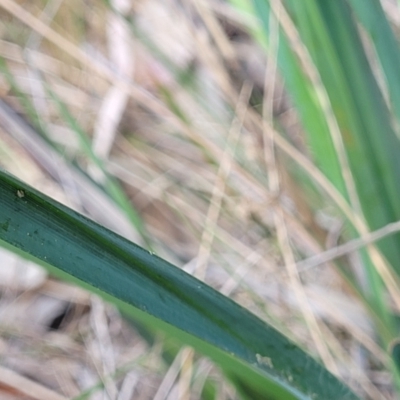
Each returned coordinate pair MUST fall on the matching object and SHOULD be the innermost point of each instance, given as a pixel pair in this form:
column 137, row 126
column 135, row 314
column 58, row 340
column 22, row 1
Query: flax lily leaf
column 262, row 363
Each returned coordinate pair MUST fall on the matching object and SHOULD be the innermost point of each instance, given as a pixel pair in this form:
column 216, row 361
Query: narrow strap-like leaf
column 261, row 362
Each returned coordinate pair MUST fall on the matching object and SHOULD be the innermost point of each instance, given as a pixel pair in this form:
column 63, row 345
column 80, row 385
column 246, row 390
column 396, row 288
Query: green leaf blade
column 362, row 115
column 253, row 354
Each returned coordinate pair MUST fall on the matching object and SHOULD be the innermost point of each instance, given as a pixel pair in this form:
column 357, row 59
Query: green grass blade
column 304, row 97
column 259, row 360
column 373, row 18
column 372, row 146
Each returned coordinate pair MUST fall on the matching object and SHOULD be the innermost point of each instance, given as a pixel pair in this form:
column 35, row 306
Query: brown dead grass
column 174, row 111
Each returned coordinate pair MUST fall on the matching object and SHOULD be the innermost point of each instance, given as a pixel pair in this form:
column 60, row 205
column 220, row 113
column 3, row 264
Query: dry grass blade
column 21, row 386
column 219, row 185
column 115, row 101
column 348, row 247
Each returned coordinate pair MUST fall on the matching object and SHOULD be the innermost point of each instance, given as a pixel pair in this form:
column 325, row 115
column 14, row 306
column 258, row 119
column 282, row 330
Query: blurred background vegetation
column 245, row 141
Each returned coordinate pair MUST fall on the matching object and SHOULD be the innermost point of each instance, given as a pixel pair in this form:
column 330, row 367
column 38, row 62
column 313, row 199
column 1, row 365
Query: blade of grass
column 255, row 356
column 373, row 19
column 306, row 101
